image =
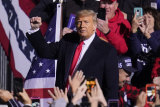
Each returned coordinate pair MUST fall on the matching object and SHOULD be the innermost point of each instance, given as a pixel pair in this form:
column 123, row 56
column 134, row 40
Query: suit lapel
column 69, row 57
column 91, row 51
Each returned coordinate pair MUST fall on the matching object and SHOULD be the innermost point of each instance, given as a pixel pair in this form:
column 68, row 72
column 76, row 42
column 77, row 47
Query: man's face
column 110, row 7
column 123, row 77
column 85, row 26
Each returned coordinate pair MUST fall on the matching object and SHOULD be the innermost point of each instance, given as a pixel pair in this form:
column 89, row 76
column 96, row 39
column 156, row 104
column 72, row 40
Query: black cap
column 124, row 62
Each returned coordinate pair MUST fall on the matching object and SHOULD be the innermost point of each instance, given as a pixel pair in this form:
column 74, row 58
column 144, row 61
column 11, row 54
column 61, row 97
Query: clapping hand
column 79, row 93
column 58, row 93
column 76, row 81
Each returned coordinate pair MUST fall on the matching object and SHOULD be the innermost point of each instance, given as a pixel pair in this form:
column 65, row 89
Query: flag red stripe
column 5, row 44
column 41, row 92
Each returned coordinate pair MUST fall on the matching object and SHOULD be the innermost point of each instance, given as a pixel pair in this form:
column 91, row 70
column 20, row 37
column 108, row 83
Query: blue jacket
column 140, row 46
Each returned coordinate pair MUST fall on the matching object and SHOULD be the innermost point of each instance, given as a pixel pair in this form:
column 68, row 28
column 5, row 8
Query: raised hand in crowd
column 96, row 96
column 79, row 93
column 67, row 30
column 148, row 26
column 136, row 22
column 24, row 98
column 5, row 95
column 59, row 94
column 102, row 25
column 141, row 99
column 76, row 81
column 157, row 102
column 35, row 22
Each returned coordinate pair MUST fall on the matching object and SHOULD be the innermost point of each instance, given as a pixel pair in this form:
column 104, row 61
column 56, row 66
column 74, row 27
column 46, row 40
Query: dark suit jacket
column 100, row 60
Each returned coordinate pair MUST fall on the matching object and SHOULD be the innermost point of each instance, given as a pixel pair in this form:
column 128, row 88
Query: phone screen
column 101, row 13
column 113, row 103
column 35, row 102
column 139, row 11
column 151, row 93
column 90, row 84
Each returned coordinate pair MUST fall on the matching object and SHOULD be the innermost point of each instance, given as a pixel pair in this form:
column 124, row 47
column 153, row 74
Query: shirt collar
column 88, row 41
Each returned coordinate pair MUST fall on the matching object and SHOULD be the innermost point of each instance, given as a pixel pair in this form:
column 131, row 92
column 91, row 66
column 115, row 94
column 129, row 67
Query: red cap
column 109, row 0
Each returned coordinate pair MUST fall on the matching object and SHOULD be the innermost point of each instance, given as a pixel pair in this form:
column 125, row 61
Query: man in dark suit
column 97, row 59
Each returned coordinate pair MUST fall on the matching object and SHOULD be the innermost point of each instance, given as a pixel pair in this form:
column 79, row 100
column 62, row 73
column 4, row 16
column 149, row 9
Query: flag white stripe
column 24, row 21
column 22, row 64
column 34, row 83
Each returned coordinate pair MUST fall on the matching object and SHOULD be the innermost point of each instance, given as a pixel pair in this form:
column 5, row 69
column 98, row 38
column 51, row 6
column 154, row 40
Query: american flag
column 14, row 23
column 41, row 76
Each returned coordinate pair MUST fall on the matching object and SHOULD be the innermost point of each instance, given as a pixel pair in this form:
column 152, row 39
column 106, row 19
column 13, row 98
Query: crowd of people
column 120, row 54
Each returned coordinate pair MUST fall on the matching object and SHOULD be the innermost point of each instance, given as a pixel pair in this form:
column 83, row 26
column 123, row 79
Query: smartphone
column 17, row 86
column 90, row 84
column 139, row 11
column 113, row 103
column 101, row 13
column 35, row 101
column 150, row 93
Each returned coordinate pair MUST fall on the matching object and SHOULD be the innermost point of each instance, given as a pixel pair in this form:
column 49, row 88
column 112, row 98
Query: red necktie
column 75, row 59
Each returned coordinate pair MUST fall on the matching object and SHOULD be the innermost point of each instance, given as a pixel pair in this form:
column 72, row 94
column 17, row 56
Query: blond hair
column 85, row 13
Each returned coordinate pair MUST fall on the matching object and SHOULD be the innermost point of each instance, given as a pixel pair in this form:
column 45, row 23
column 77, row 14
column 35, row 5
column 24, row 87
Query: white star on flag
column 24, row 44
column 34, row 71
column 32, row 54
column 47, row 70
column 40, row 64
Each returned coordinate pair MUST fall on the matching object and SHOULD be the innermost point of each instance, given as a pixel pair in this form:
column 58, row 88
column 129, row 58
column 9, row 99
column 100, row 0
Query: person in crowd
column 8, row 98
column 127, row 6
column 81, row 50
column 126, row 91
column 115, row 29
column 144, row 44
